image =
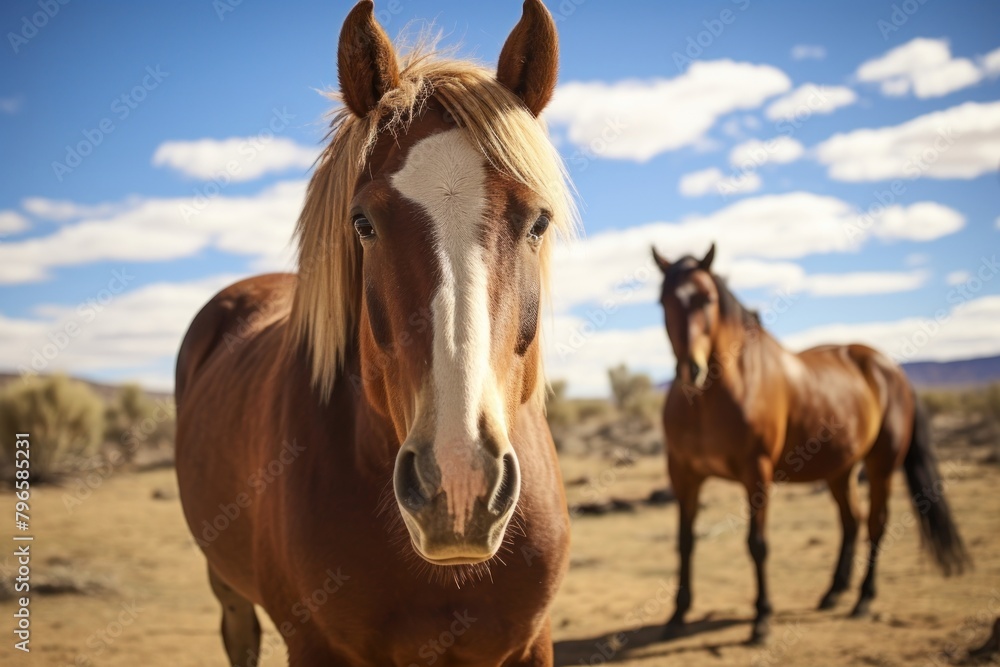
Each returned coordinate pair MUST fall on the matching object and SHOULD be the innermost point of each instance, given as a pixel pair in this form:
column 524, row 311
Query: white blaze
column 446, row 175
column 684, row 293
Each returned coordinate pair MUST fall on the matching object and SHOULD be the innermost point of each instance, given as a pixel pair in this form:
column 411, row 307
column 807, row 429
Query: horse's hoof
column 829, row 601
column 862, row 609
column 673, row 630
column 761, row 631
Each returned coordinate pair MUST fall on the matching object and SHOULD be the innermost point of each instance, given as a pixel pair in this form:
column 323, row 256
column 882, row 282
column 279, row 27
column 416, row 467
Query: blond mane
column 326, row 305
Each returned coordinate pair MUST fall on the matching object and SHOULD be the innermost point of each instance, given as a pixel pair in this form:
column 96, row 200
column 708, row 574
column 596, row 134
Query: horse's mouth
column 450, row 549
column 458, row 560
column 434, row 539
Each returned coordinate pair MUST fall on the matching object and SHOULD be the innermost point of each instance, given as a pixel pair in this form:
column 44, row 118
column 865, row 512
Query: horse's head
column 449, row 221
column 690, row 300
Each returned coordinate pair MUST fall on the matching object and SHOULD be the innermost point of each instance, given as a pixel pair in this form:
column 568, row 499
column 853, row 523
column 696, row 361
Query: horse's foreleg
column 240, row 628
column 686, row 485
column 844, row 491
column 758, row 486
column 540, row 653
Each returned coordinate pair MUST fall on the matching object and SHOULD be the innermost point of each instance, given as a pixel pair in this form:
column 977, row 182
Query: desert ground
column 118, row 580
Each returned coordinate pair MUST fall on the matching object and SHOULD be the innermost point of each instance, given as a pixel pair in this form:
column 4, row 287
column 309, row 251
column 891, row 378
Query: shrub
column 63, row 416
column 559, row 411
column 991, row 402
column 940, row 402
column 593, row 408
column 634, row 395
column 133, row 417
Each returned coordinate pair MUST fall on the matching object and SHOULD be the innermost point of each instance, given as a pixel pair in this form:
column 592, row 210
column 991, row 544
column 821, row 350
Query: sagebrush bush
column 991, row 402
column 635, row 396
column 559, row 411
column 132, row 418
column 562, row 412
column 65, row 419
column 940, row 402
column 983, row 402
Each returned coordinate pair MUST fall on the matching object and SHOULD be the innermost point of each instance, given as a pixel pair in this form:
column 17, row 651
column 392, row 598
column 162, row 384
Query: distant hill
column 961, row 373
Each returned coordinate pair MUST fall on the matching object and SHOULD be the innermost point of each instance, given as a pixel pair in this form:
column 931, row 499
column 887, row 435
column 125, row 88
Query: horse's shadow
column 615, row 646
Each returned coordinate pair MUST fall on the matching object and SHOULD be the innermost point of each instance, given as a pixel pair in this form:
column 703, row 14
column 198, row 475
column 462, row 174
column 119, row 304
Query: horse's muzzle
column 692, row 371
column 456, row 513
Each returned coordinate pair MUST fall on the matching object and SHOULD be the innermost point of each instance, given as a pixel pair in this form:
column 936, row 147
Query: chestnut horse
column 745, row 409
column 362, row 449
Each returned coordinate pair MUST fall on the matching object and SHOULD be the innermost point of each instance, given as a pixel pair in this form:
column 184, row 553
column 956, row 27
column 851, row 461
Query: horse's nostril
column 510, row 483
column 695, row 370
column 409, row 490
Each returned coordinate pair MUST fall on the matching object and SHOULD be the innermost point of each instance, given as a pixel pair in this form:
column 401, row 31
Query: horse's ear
column 661, row 261
column 366, row 61
column 706, row 262
column 529, row 61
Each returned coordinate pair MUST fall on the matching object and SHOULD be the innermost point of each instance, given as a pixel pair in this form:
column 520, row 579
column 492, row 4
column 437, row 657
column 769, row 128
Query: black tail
column 938, row 531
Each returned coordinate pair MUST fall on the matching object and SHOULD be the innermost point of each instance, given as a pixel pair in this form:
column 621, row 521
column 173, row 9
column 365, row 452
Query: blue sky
column 649, row 141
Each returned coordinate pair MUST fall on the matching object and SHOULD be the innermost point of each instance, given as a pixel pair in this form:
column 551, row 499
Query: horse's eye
column 538, row 229
column 364, row 228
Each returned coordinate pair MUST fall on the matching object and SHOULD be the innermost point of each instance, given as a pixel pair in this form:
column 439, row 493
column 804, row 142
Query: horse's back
column 850, row 400
column 854, row 362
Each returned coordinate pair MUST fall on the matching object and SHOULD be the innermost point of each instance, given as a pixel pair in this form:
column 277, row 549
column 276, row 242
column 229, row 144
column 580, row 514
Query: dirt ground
column 146, row 600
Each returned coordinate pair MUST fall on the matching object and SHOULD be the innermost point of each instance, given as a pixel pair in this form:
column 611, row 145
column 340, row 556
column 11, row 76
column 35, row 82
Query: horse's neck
column 747, row 358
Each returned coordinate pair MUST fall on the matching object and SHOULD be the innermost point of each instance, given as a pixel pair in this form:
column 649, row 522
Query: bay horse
column 745, row 409
column 362, row 449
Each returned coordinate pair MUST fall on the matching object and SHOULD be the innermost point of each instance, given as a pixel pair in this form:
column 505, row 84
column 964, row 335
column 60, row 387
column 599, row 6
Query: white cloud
column 863, row 283
column 960, row 142
column 808, row 52
column 713, row 181
column 990, row 63
column 957, row 277
column 810, row 99
column 922, row 65
column 970, row 329
column 12, row 222
column 756, row 153
column 133, row 331
column 746, row 274
column 923, row 221
column 242, row 158
column 637, row 120
column 61, row 210
column 258, row 226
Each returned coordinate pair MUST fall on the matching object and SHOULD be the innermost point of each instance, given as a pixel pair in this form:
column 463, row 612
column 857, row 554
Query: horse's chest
column 707, row 457
column 401, row 628
column 706, row 434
